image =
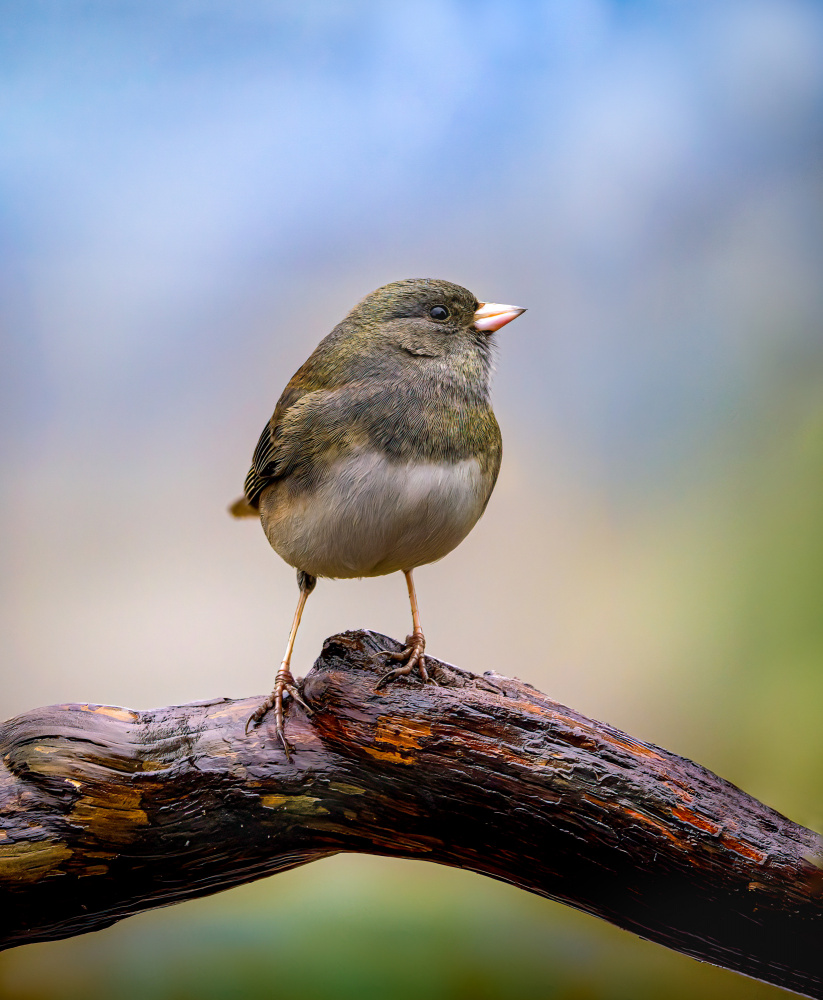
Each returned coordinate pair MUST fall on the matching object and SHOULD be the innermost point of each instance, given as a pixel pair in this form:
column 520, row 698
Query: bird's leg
column 411, row 656
column 283, row 680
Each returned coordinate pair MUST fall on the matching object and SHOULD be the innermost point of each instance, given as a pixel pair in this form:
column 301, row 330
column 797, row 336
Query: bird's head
column 406, row 322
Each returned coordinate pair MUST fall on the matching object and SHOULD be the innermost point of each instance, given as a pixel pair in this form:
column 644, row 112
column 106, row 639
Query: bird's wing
column 269, row 453
column 306, row 424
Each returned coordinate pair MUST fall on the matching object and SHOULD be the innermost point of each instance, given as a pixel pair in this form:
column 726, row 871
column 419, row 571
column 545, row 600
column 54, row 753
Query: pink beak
column 490, row 316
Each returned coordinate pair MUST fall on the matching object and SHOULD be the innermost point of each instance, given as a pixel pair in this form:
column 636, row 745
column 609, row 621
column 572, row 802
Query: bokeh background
column 193, row 192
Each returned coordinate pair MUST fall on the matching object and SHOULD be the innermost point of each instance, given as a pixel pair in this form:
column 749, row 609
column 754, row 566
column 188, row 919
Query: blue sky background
column 193, row 193
column 645, row 175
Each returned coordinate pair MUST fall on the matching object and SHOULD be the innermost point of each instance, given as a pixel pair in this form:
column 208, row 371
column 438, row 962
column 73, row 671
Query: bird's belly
column 371, row 516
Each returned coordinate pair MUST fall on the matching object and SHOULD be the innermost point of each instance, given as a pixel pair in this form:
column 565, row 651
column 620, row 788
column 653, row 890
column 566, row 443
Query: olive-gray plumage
column 383, row 449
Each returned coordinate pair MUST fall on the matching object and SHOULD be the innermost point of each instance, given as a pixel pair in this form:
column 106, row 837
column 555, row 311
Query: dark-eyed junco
column 383, row 450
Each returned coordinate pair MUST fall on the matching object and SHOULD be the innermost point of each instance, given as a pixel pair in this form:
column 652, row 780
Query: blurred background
column 193, row 192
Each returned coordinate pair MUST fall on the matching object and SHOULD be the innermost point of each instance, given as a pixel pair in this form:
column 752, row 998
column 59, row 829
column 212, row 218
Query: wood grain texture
column 105, row 811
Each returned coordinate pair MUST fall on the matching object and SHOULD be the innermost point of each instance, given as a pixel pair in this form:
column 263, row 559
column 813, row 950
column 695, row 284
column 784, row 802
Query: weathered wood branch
column 105, row 812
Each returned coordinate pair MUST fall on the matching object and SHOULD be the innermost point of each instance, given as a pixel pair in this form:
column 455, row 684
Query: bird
column 382, row 452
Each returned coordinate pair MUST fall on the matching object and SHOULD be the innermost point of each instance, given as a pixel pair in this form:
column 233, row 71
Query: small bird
column 382, row 452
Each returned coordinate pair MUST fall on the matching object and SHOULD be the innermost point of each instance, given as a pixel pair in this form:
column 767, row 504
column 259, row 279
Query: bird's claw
column 411, row 656
column 283, row 685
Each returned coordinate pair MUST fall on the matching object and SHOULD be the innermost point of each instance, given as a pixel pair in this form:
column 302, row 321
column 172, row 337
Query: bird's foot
column 283, row 684
column 411, row 657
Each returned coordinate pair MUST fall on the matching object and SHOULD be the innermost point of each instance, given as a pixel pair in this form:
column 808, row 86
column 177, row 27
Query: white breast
column 372, row 516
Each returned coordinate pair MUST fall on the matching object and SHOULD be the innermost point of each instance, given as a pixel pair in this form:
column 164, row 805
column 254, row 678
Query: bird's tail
column 242, row 508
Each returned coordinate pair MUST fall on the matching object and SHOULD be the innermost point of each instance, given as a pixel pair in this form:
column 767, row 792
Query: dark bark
column 105, row 812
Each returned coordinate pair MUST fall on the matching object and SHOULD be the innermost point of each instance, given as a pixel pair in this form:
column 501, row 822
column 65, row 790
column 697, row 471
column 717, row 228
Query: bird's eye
column 439, row 312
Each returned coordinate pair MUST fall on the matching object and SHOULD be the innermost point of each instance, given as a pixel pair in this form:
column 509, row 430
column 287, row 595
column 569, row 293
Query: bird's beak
column 490, row 316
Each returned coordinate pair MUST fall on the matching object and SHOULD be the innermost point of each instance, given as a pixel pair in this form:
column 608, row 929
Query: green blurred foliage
column 758, row 636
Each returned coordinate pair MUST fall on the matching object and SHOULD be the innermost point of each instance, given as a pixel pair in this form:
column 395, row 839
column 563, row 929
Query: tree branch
column 105, row 812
